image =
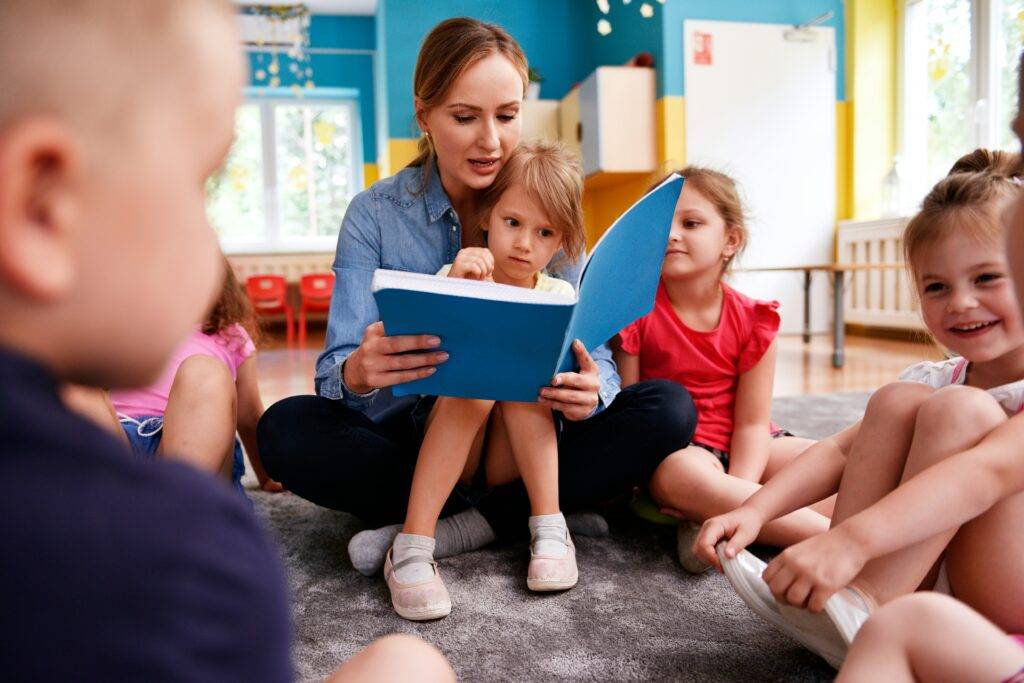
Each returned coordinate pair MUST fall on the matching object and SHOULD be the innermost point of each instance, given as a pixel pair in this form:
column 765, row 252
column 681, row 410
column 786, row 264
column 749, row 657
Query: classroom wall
column 351, row 71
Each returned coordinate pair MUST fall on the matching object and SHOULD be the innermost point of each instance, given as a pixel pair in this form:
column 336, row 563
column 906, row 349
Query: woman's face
column 477, row 125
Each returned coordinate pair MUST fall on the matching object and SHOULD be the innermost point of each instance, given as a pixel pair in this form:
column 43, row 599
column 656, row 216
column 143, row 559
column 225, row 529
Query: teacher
column 353, row 447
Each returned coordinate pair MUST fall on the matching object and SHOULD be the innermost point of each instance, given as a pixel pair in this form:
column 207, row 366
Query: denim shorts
column 144, row 434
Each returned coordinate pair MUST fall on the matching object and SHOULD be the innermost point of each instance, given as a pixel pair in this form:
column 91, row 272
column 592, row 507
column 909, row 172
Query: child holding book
column 530, row 213
column 720, row 345
column 206, row 393
column 931, row 481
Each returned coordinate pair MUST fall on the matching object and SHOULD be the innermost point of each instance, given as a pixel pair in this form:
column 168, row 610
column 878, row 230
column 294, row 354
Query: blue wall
column 556, row 39
column 341, row 71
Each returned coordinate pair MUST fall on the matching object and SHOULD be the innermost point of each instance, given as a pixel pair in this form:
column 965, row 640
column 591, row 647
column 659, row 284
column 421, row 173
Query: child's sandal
column 419, row 601
column 548, row 573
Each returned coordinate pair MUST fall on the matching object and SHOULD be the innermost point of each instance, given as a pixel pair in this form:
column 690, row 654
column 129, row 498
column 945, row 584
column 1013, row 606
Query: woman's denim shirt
column 396, row 224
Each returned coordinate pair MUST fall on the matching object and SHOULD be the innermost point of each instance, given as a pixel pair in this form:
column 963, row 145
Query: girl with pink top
column 207, row 393
column 720, row 345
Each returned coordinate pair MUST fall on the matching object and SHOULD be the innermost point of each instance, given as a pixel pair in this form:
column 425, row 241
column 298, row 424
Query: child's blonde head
column 968, row 200
column 88, row 61
column 721, row 190
column 553, row 178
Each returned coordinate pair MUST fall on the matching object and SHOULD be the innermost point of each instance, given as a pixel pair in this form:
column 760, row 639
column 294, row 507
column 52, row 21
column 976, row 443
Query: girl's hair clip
column 1016, row 180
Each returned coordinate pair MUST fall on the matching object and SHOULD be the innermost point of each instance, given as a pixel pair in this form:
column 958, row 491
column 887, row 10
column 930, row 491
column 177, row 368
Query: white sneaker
column 828, row 634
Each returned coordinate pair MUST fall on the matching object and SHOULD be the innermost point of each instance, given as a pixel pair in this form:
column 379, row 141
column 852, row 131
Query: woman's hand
column 473, row 263
column 740, row 527
column 382, row 361
column 574, row 394
column 808, row 573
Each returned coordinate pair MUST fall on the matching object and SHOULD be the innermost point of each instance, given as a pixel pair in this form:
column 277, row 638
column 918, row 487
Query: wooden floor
column 800, row 369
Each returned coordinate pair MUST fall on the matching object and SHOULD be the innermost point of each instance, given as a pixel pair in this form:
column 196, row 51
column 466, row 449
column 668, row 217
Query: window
column 959, row 85
column 291, row 173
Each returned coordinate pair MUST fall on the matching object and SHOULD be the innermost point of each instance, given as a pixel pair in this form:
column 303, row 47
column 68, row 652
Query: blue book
column 505, row 343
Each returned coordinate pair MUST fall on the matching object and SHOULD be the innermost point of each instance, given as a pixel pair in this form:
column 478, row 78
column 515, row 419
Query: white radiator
column 291, row 266
column 878, row 298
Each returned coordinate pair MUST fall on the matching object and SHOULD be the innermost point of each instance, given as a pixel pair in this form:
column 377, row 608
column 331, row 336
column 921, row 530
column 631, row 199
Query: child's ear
column 733, row 242
column 39, row 160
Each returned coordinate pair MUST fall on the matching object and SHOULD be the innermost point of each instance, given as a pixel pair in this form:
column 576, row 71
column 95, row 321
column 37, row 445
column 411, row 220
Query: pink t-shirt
column 708, row 364
column 232, row 345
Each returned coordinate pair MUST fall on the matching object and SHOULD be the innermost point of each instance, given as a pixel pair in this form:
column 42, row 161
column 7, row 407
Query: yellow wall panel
column 843, row 162
column 371, row 174
column 401, row 151
column 670, row 131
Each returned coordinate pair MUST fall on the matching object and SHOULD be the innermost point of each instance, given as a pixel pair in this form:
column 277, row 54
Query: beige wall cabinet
column 616, row 120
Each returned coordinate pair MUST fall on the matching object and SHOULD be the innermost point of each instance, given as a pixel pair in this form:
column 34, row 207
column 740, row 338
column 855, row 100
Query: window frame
column 268, row 99
column 912, row 140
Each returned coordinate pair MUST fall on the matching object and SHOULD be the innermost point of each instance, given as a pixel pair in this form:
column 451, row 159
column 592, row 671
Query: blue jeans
column 144, row 434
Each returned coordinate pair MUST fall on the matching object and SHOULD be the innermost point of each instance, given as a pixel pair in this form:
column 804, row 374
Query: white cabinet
column 540, row 120
column 616, row 120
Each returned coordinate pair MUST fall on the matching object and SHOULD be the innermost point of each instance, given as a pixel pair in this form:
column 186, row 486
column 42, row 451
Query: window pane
column 1011, row 36
column 234, row 195
column 314, row 168
column 950, row 117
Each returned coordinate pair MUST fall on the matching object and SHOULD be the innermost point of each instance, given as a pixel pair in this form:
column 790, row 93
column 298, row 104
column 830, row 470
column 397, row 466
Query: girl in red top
column 720, row 345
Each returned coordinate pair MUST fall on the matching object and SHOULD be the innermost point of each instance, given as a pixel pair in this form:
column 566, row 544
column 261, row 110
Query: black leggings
column 339, row 458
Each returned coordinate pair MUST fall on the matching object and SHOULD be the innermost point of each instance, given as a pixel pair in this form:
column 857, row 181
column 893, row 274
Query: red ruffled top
column 708, row 364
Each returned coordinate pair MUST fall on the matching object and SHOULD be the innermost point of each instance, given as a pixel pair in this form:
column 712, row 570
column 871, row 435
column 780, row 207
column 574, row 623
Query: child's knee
column 206, row 377
column 960, row 408
column 899, row 400
column 680, row 472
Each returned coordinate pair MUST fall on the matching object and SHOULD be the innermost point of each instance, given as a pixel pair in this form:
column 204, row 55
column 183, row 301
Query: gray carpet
column 634, row 615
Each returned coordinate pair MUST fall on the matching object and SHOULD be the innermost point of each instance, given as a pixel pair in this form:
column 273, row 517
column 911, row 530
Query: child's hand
column 740, row 527
column 271, row 486
column 808, row 573
column 473, row 263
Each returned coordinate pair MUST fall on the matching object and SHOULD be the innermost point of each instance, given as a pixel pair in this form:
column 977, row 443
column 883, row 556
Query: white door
column 760, row 106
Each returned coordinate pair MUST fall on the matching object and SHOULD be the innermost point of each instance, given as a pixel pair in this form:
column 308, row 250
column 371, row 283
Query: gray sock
column 587, row 524
column 462, row 532
column 368, row 548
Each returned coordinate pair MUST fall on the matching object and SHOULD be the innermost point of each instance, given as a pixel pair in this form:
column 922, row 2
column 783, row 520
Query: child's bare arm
column 94, row 404
column 250, row 409
column 629, row 365
column 944, row 496
column 748, row 454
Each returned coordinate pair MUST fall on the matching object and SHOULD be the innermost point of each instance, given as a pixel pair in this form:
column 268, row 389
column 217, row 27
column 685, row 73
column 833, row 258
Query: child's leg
column 446, row 445
column 879, row 453
column 94, row 404
column 950, row 421
column 930, row 637
column 783, row 451
column 531, row 435
column 199, row 423
column 985, row 563
column 694, row 482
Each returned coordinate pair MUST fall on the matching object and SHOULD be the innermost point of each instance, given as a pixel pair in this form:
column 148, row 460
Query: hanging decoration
column 282, row 29
column 604, row 26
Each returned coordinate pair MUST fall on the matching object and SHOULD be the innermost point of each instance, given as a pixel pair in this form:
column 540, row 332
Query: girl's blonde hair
column 724, row 195
column 449, row 49
column 968, row 199
column 553, row 178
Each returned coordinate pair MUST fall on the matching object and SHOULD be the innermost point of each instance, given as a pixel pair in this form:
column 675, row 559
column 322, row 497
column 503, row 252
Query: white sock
column 550, row 548
column 411, row 545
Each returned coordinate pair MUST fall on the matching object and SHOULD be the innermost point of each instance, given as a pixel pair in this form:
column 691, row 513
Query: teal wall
column 350, row 71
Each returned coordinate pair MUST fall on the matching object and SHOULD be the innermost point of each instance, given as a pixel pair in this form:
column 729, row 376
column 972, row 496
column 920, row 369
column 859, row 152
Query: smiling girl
column 930, row 482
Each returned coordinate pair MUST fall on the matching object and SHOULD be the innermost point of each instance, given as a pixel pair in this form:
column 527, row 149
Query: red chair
column 315, row 290
column 269, row 295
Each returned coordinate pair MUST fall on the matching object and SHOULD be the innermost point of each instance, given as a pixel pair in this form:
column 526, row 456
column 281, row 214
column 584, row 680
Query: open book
column 505, row 343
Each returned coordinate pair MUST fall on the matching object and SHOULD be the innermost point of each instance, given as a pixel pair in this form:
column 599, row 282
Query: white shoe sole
column 423, row 613
column 805, row 628
column 546, row 586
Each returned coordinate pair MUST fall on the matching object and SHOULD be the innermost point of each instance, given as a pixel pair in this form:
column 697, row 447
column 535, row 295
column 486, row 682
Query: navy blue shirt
column 114, row 567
